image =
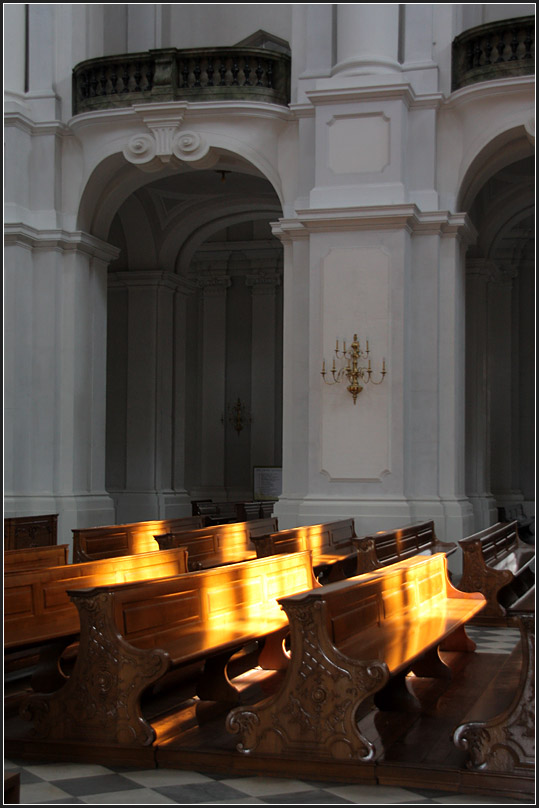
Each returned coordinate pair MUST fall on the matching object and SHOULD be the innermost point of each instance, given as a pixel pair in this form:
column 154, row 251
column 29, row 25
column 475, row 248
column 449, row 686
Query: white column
column 500, row 362
column 212, row 388
column 451, row 386
column 55, row 331
column 263, row 367
column 142, row 395
column 478, row 416
column 367, row 38
column 41, row 61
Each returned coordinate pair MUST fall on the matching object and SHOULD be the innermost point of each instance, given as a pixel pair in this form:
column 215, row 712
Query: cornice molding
column 23, row 235
column 390, row 217
column 19, row 120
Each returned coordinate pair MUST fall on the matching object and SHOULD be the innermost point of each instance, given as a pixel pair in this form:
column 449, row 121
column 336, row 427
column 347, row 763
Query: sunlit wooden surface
column 109, row 541
column 350, row 641
column 25, row 558
column 219, row 544
column 133, row 635
column 389, row 546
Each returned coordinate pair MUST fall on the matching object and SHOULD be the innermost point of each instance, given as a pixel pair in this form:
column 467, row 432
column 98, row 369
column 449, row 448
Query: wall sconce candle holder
column 238, row 415
column 356, row 368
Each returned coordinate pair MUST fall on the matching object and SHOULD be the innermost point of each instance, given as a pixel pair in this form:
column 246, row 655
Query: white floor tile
column 371, row 795
column 261, row 786
column 37, row 793
column 65, row 771
column 139, row 796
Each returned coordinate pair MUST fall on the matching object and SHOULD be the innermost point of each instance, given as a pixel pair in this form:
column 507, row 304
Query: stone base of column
column 141, row 506
column 369, row 514
column 74, row 511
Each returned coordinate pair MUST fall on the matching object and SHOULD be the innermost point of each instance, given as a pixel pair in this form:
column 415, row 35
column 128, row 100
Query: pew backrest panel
column 112, row 541
column 390, row 546
column 219, row 544
column 497, row 563
column 329, row 542
column 37, row 607
column 25, row 558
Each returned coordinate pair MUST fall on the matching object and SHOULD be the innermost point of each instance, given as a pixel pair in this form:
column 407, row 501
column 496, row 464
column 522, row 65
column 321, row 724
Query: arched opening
column 500, row 354
column 194, row 337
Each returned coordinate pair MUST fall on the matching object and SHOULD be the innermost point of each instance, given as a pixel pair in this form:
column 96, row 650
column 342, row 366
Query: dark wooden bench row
column 331, row 544
column 224, row 512
column 389, row 546
column 133, row 635
column 30, row 531
column 352, row 640
column 111, row 541
column 496, row 563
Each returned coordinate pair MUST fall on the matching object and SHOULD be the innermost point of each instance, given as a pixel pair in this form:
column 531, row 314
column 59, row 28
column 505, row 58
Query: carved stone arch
column 492, row 156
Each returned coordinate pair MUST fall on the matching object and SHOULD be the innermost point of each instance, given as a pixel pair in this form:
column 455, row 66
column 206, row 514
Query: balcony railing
column 245, row 74
column 493, row 51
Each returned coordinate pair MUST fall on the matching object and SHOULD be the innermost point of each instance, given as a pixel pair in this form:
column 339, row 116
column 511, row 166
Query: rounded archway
column 194, row 327
column 500, row 345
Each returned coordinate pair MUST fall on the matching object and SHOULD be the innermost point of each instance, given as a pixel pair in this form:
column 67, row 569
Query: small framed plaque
column 268, row 482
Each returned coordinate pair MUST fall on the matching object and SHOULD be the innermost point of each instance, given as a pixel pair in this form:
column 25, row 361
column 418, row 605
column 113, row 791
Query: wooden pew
column 111, row 541
column 38, row 613
column 30, row 531
column 351, row 641
column 27, row 558
column 504, row 741
column 496, row 563
column 214, row 545
column 389, row 546
column 146, row 630
column 331, row 543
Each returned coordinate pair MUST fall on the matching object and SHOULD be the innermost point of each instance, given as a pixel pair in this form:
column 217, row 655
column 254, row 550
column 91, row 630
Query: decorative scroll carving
column 506, row 743
column 315, row 711
column 102, row 696
column 165, row 144
column 367, row 560
column 477, row 576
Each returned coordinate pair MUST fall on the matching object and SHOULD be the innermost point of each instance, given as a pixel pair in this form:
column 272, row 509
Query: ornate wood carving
column 102, row 696
column 315, row 711
column 477, row 576
column 367, row 559
column 506, row 743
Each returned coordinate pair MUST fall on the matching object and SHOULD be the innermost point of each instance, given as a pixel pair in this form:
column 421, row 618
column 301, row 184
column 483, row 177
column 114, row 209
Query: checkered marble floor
column 78, row 784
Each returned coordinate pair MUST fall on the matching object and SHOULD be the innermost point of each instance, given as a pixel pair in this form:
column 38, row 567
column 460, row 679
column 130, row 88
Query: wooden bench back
column 390, row 614
column 111, row 541
column 224, row 544
column 38, row 608
column 389, row 546
column 365, row 602
column 155, row 614
column 30, row 531
column 496, row 542
column 28, row 558
column 328, row 537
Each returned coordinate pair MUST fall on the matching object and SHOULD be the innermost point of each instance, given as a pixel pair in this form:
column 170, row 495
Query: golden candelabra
column 238, row 415
column 357, row 367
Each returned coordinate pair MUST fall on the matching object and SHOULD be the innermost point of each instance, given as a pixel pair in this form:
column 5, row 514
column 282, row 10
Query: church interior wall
column 112, row 241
